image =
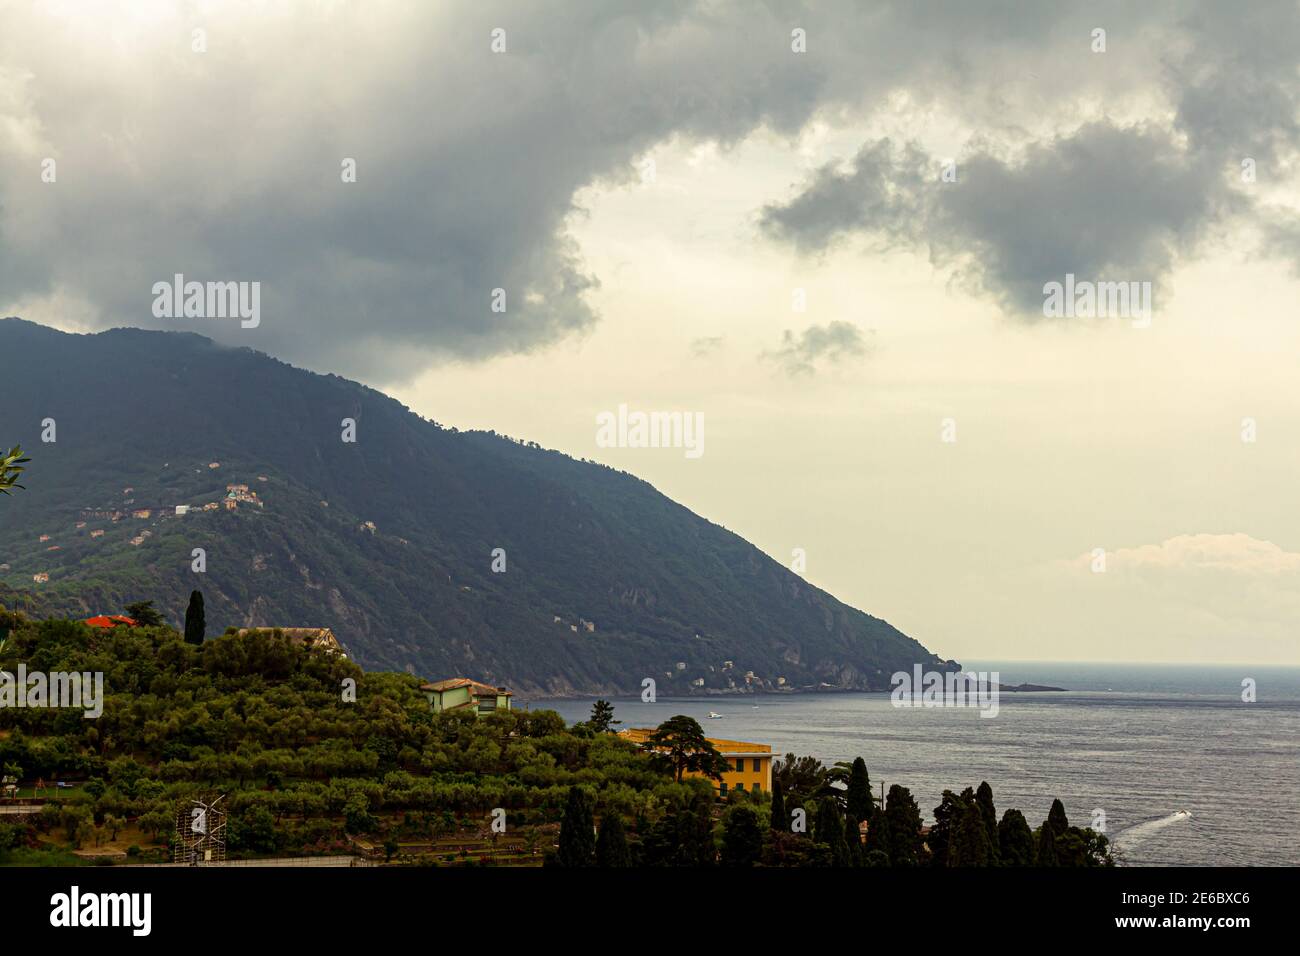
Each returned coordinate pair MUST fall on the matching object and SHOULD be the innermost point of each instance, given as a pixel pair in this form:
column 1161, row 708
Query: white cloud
column 1237, row 554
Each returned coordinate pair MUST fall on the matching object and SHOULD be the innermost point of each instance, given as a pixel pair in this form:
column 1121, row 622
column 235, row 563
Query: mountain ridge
column 389, row 540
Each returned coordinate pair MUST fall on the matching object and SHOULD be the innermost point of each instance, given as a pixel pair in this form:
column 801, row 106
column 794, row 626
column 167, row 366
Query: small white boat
column 714, row 715
column 1182, row 813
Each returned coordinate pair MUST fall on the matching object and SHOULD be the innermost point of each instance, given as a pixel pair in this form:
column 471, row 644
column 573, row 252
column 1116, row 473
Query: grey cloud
column 1237, row 90
column 831, row 343
column 225, row 165
column 706, row 345
column 1105, row 202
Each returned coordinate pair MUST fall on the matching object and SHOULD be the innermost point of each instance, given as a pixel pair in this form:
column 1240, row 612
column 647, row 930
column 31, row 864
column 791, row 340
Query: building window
column 740, row 764
column 724, row 788
column 757, row 765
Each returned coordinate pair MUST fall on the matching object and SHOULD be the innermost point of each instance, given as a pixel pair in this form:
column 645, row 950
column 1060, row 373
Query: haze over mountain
column 388, row 540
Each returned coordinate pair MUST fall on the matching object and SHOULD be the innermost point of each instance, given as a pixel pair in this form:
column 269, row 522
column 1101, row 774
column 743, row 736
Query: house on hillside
column 316, row 638
column 110, row 621
column 459, row 692
column 241, row 493
column 749, row 765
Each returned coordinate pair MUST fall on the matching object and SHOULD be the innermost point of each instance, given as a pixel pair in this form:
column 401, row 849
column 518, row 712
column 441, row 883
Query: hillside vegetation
column 387, row 540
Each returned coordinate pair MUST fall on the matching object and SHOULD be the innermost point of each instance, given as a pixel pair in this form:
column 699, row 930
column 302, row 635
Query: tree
column 970, row 843
column 802, row 778
column 1094, row 847
column 577, row 832
column 1050, row 836
column 1015, row 840
column 195, row 622
column 779, row 820
column 829, row 829
column 144, row 614
column 602, row 717
column 695, row 832
column 989, row 814
column 946, row 817
column 742, row 837
column 681, row 742
column 904, row 820
column 11, row 466
column 113, row 823
column 877, row 839
column 1056, row 817
column 858, row 797
column 853, row 836
column 611, row 845
column 1046, row 855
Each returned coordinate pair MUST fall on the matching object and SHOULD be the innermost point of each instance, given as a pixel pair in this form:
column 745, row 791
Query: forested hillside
column 389, row 539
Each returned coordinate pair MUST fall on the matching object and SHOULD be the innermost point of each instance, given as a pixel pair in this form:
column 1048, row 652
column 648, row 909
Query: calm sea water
column 1139, row 742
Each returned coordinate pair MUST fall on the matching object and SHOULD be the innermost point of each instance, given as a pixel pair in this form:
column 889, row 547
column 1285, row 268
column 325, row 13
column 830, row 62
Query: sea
column 1127, row 746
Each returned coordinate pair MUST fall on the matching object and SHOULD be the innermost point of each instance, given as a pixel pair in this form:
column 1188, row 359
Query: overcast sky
column 741, row 211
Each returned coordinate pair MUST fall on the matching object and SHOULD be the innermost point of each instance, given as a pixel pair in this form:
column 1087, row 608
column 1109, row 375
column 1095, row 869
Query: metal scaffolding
column 200, row 833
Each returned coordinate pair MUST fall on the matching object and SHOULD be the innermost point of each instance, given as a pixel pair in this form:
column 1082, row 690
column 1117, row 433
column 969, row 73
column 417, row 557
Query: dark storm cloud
column 225, row 165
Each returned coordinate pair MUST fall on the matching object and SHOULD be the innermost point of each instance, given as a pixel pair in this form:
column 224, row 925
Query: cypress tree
column 989, row 814
column 577, row 837
column 877, row 845
column 853, row 836
column 1015, row 840
column 830, row 831
column 970, row 841
column 941, row 836
column 195, row 622
column 1056, row 817
column 780, row 820
column 858, row 796
column 611, row 845
column 1046, row 855
column 904, row 820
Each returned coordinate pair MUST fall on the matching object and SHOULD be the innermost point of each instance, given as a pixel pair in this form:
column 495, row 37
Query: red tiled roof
column 476, row 688
column 111, row 620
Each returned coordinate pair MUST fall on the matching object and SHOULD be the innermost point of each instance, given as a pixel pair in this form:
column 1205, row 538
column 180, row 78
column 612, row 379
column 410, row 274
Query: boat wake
column 1134, row 835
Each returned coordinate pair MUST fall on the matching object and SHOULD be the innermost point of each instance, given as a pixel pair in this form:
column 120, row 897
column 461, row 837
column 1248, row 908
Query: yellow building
column 749, row 765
